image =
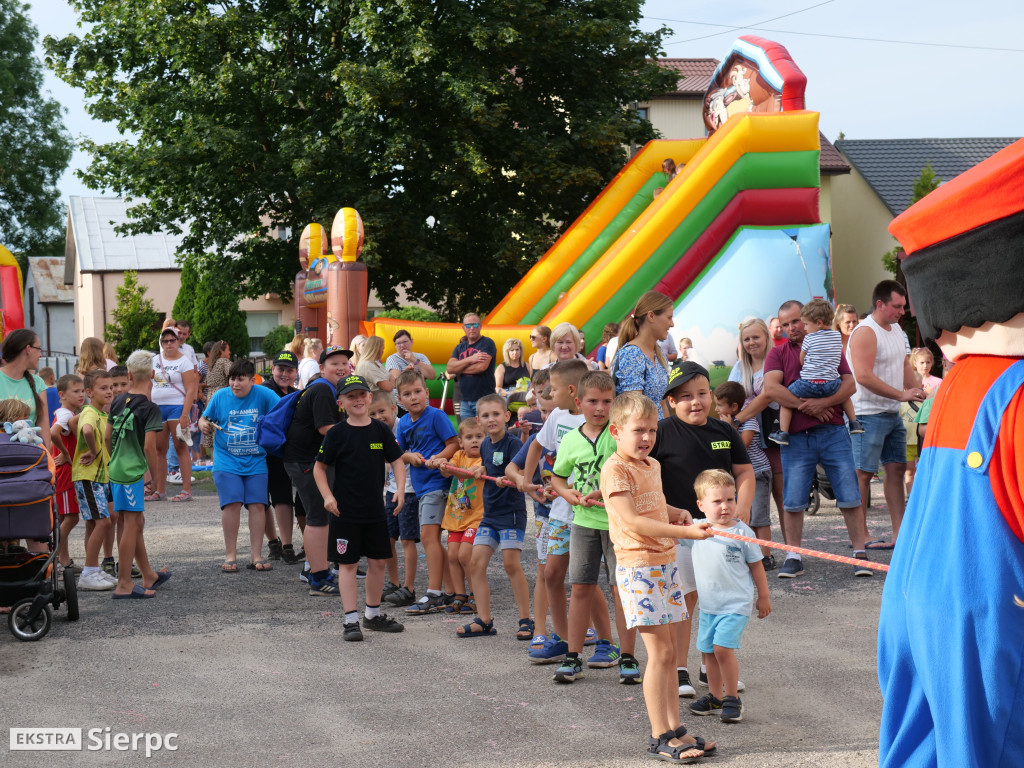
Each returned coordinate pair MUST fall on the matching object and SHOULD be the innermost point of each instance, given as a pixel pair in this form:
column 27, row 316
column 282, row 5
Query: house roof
column 831, row 161
column 48, row 276
column 694, row 75
column 891, row 166
column 98, row 248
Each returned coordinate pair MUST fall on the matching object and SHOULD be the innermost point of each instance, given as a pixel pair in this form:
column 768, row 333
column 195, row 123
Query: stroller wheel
column 71, row 594
column 25, row 629
column 814, row 502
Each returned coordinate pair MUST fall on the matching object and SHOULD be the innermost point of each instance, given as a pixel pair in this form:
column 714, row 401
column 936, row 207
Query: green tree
column 136, row 321
column 35, row 148
column 276, row 340
column 926, row 183
column 184, row 304
column 411, row 313
column 465, row 133
column 216, row 316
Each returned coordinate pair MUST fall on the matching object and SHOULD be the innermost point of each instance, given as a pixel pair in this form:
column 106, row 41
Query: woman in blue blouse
column 638, row 364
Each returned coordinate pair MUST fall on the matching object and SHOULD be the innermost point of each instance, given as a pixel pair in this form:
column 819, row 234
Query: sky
column 876, row 69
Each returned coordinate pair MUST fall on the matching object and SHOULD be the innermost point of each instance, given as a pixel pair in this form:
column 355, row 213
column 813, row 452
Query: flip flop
column 137, row 593
column 229, row 566
column 260, row 565
column 879, row 544
column 161, row 577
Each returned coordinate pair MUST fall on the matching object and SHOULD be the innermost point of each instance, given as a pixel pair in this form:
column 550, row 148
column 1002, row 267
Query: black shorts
column 313, row 503
column 347, row 542
column 279, row 485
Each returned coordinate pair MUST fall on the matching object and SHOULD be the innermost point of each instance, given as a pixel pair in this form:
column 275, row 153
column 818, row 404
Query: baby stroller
column 820, row 486
column 29, row 584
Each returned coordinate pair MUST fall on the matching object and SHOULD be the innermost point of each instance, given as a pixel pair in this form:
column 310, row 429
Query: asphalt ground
column 248, row 670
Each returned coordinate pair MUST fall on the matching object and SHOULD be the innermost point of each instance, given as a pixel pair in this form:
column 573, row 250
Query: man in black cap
column 287, row 507
column 689, row 442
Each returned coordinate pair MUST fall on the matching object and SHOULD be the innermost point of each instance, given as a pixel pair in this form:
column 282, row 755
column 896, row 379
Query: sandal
column 229, row 566
column 486, row 628
column 525, row 631
column 470, row 605
column 183, row 496
column 699, row 742
column 155, row 496
column 260, row 565
column 455, row 606
column 660, row 749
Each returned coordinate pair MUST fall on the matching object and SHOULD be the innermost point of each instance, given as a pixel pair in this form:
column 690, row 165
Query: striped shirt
column 822, row 352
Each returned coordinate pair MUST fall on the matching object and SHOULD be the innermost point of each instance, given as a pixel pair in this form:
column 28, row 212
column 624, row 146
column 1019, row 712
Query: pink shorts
column 67, row 502
column 466, row 536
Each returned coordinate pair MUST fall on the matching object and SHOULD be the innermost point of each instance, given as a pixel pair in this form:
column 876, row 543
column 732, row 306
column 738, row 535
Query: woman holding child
column 639, row 364
column 21, row 352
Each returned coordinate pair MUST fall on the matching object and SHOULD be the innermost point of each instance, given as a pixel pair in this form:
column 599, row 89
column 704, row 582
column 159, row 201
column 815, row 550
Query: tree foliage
column 411, row 313
column 35, row 148
column 276, row 339
column 136, row 321
column 185, row 302
column 216, row 316
column 465, row 133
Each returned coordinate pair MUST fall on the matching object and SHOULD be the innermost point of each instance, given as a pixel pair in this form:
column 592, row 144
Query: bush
column 216, row 316
column 185, row 303
column 276, row 340
column 417, row 314
column 136, row 322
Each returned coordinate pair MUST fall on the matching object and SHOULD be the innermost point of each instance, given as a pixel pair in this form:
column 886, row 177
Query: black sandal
column 660, row 749
column 525, row 632
column 681, row 731
column 486, row 628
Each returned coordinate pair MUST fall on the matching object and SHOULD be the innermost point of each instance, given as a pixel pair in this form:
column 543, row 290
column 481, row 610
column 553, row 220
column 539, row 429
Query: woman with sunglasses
column 175, row 385
column 540, row 338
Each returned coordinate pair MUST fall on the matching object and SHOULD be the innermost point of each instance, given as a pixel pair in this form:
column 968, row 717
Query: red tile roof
column 694, row 74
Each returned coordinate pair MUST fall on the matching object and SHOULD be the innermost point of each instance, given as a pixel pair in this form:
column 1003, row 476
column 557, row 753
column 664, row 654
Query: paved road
column 249, row 670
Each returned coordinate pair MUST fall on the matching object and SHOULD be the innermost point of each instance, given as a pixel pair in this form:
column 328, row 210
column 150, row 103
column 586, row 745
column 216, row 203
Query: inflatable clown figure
column 951, row 631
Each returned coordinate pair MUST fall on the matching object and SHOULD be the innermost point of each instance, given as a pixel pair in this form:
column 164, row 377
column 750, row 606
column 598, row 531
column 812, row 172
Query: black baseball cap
column 286, row 359
column 684, row 370
column 352, row 384
column 330, row 351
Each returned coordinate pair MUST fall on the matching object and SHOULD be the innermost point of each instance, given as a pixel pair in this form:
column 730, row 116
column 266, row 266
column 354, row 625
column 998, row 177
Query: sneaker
column 97, row 581
column 360, row 573
column 389, row 587
column 570, row 670
column 290, row 556
column 352, row 632
column 629, row 670
column 856, row 428
column 109, row 567
column 382, row 623
column 702, row 678
column 686, row 689
column 791, row 568
column 401, row 597
column 538, row 642
column 780, row 437
column 108, row 577
column 325, row 588
column 136, row 573
column 426, row 604
column 304, row 576
column 768, row 561
column 706, row 705
column 591, row 638
column 275, row 550
column 606, row 654
column 174, row 478
column 732, row 709
column 553, row 650
column 860, row 570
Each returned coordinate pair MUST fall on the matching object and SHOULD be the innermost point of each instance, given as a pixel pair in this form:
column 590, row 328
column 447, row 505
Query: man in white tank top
column 879, row 356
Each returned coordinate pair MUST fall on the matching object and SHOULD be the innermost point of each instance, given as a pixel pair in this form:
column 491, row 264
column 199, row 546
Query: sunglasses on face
column 167, row 340
column 470, row 326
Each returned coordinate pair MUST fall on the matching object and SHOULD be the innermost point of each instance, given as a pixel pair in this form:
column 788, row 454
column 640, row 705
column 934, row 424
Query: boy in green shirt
column 89, row 473
column 582, row 453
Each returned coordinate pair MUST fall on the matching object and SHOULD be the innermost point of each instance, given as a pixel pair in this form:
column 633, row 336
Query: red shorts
column 466, row 536
column 67, row 502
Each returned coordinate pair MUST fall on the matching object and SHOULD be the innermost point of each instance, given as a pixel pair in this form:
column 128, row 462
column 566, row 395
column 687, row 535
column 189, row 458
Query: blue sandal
column 525, row 631
column 486, row 628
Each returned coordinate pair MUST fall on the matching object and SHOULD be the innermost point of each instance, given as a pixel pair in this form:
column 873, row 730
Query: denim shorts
column 721, row 629
column 884, row 441
column 810, row 389
column 504, row 538
column 586, row 547
column 405, row 526
column 431, row 507
column 558, row 537
column 761, row 508
column 828, row 445
column 244, row 489
column 467, row 409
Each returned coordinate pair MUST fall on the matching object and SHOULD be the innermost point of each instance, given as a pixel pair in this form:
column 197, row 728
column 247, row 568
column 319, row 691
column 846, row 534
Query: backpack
column 26, row 490
column 272, row 429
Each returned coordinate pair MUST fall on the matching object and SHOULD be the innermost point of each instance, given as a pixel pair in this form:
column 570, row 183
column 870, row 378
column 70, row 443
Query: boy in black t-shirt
column 358, row 528
column 688, row 443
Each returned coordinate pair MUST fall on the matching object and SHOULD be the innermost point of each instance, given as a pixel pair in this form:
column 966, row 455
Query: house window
column 643, row 113
column 32, row 307
column 259, row 325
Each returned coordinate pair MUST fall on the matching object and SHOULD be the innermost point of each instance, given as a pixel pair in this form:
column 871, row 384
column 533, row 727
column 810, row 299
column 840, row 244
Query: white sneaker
column 95, row 582
column 174, row 478
column 108, row 577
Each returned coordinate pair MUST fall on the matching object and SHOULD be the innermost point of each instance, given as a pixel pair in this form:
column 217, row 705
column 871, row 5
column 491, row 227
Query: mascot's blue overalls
column 951, row 631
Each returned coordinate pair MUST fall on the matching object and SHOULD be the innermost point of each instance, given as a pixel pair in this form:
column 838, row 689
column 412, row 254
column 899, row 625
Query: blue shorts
column 828, row 445
column 92, row 500
column 467, row 409
column 884, row 440
column 240, row 489
column 558, row 537
column 503, row 538
column 723, row 630
column 811, row 389
column 406, row 525
column 170, row 412
column 129, row 498
column 432, row 506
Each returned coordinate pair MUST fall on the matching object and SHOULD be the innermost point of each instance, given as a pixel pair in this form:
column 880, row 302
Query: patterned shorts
column 92, row 500
column 650, row 595
column 558, row 537
column 542, row 539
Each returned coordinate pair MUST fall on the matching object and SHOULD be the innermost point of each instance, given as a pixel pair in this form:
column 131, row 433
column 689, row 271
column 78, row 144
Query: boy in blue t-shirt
column 426, row 434
column 239, row 462
column 504, row 523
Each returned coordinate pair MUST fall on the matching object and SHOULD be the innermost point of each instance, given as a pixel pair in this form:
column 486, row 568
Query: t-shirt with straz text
column 360, row 456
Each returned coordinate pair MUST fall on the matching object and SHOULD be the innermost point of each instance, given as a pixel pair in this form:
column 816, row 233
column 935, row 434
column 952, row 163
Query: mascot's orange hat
column 964, row 246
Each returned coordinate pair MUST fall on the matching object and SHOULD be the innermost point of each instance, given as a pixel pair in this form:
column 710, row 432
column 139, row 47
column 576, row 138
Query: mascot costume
column 951, row 630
